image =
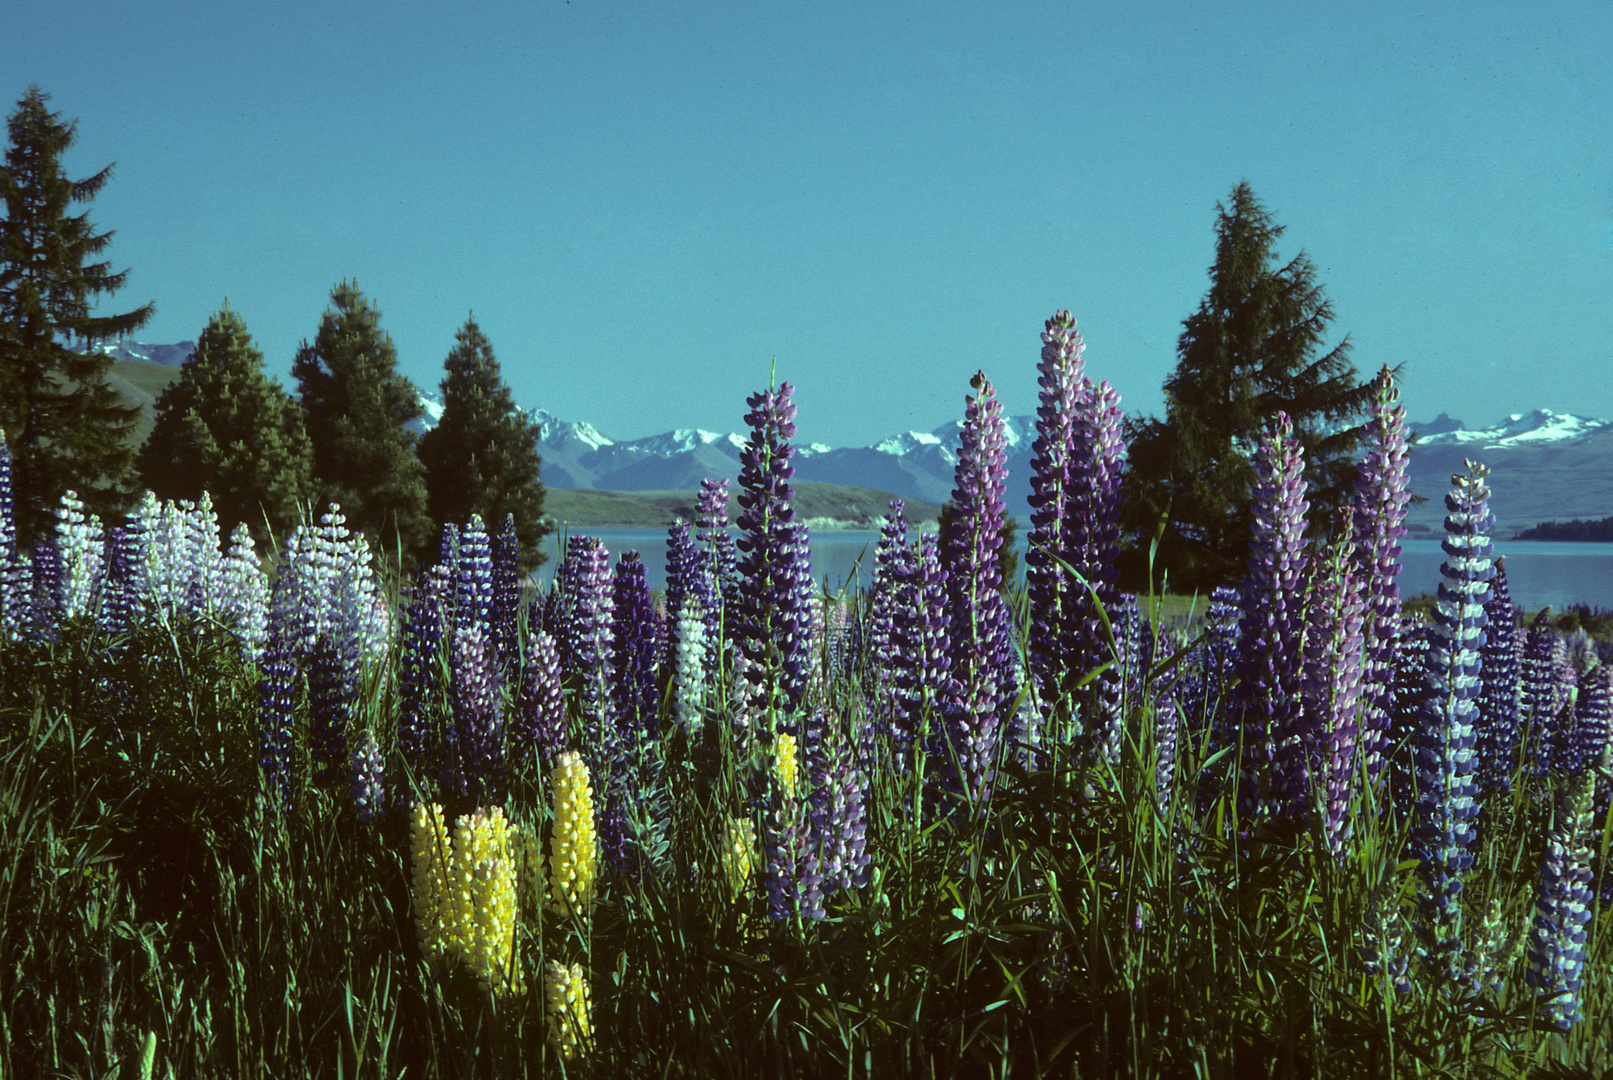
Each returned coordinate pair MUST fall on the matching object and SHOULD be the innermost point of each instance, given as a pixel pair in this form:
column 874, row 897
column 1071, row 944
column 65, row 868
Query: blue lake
column 1539, row 573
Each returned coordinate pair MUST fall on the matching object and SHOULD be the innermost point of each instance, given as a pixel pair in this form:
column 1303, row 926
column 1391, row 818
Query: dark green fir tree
column 482, row 457
column 66, row 426
column 226, row 428
column 357, row 408
column 1254, row 347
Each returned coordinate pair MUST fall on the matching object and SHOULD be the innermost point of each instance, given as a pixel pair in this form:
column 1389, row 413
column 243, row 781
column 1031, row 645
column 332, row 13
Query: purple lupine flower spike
column 634, row 652
column 1380, row 500
column 475, row 756
column 1271, row 630
column 540, row 722
column 1336, row 611
column 894, row 564
column 473, row 579
column 1446, row 808
column 983, row 660
column 1537, row 692
column 771, row 627
column 1593, row 716
column 711, row 517
column 1055, row 473
column 277, row 692
column 689, row 577
column 506, row 554
column 790, row 858
column 925, row 690
column 1562, row 911
column 1095, row 540
column 838, row 817
column 1499, row 688
column 585, row 638
column 369, row 790
column 420, row 681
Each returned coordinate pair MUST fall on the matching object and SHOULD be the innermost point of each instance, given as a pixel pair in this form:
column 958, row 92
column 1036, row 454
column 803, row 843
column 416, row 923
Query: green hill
column 141, row 384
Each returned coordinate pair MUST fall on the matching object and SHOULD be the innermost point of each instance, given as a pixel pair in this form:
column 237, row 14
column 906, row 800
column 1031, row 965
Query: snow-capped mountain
column 166, row 355
column 1541, row 428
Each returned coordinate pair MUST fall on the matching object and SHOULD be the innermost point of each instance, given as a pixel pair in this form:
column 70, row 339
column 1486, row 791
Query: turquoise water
column 1539, row 573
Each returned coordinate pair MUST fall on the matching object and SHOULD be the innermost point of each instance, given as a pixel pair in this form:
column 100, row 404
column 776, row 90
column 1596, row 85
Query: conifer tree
column 67, row 428
column 226, row 428
column 482, row 457
column 1249, row 352
column 356, row 408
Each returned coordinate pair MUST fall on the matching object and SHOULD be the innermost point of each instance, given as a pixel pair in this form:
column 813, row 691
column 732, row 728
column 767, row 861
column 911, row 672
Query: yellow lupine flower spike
column 784, row 760
column 739, row 846
column 572, row 855
column 429, row 851
column 565, row 1002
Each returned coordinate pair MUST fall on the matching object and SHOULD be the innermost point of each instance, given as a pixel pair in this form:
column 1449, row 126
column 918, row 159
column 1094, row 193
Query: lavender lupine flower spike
column 1446, row 763
column 16, row 611
column 1562, row 912
column 1499, row 689
column 1053, row 592
column 1332, row 688
column 771, row 627
column 1271, row 629
column 1094, row 540
column 473, row 578
column 420, row 679
column 585, row 639
column 474, row 763
column 925, row 689
column 982, row 646
column 276, row 697
column 1381, row 496
column 711, row 517
column 506, row 554
column 541, row 708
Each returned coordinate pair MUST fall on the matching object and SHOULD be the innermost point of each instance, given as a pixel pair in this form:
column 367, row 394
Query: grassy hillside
column 857, row 506
column 141, row 384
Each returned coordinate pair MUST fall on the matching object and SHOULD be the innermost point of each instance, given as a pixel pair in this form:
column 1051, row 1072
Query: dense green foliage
column 66, row 427
column 482, row 455
column 357, row 407
column 1587, row 531
column 1249, row 351
column 226, row 428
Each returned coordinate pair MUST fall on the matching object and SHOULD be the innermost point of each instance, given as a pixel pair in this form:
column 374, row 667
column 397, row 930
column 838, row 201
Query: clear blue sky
column 645, row 202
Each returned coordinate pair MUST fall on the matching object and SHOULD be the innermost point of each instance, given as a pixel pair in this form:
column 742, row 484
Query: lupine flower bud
column 572, row 855
column 565, row 1003
column 369, row 791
